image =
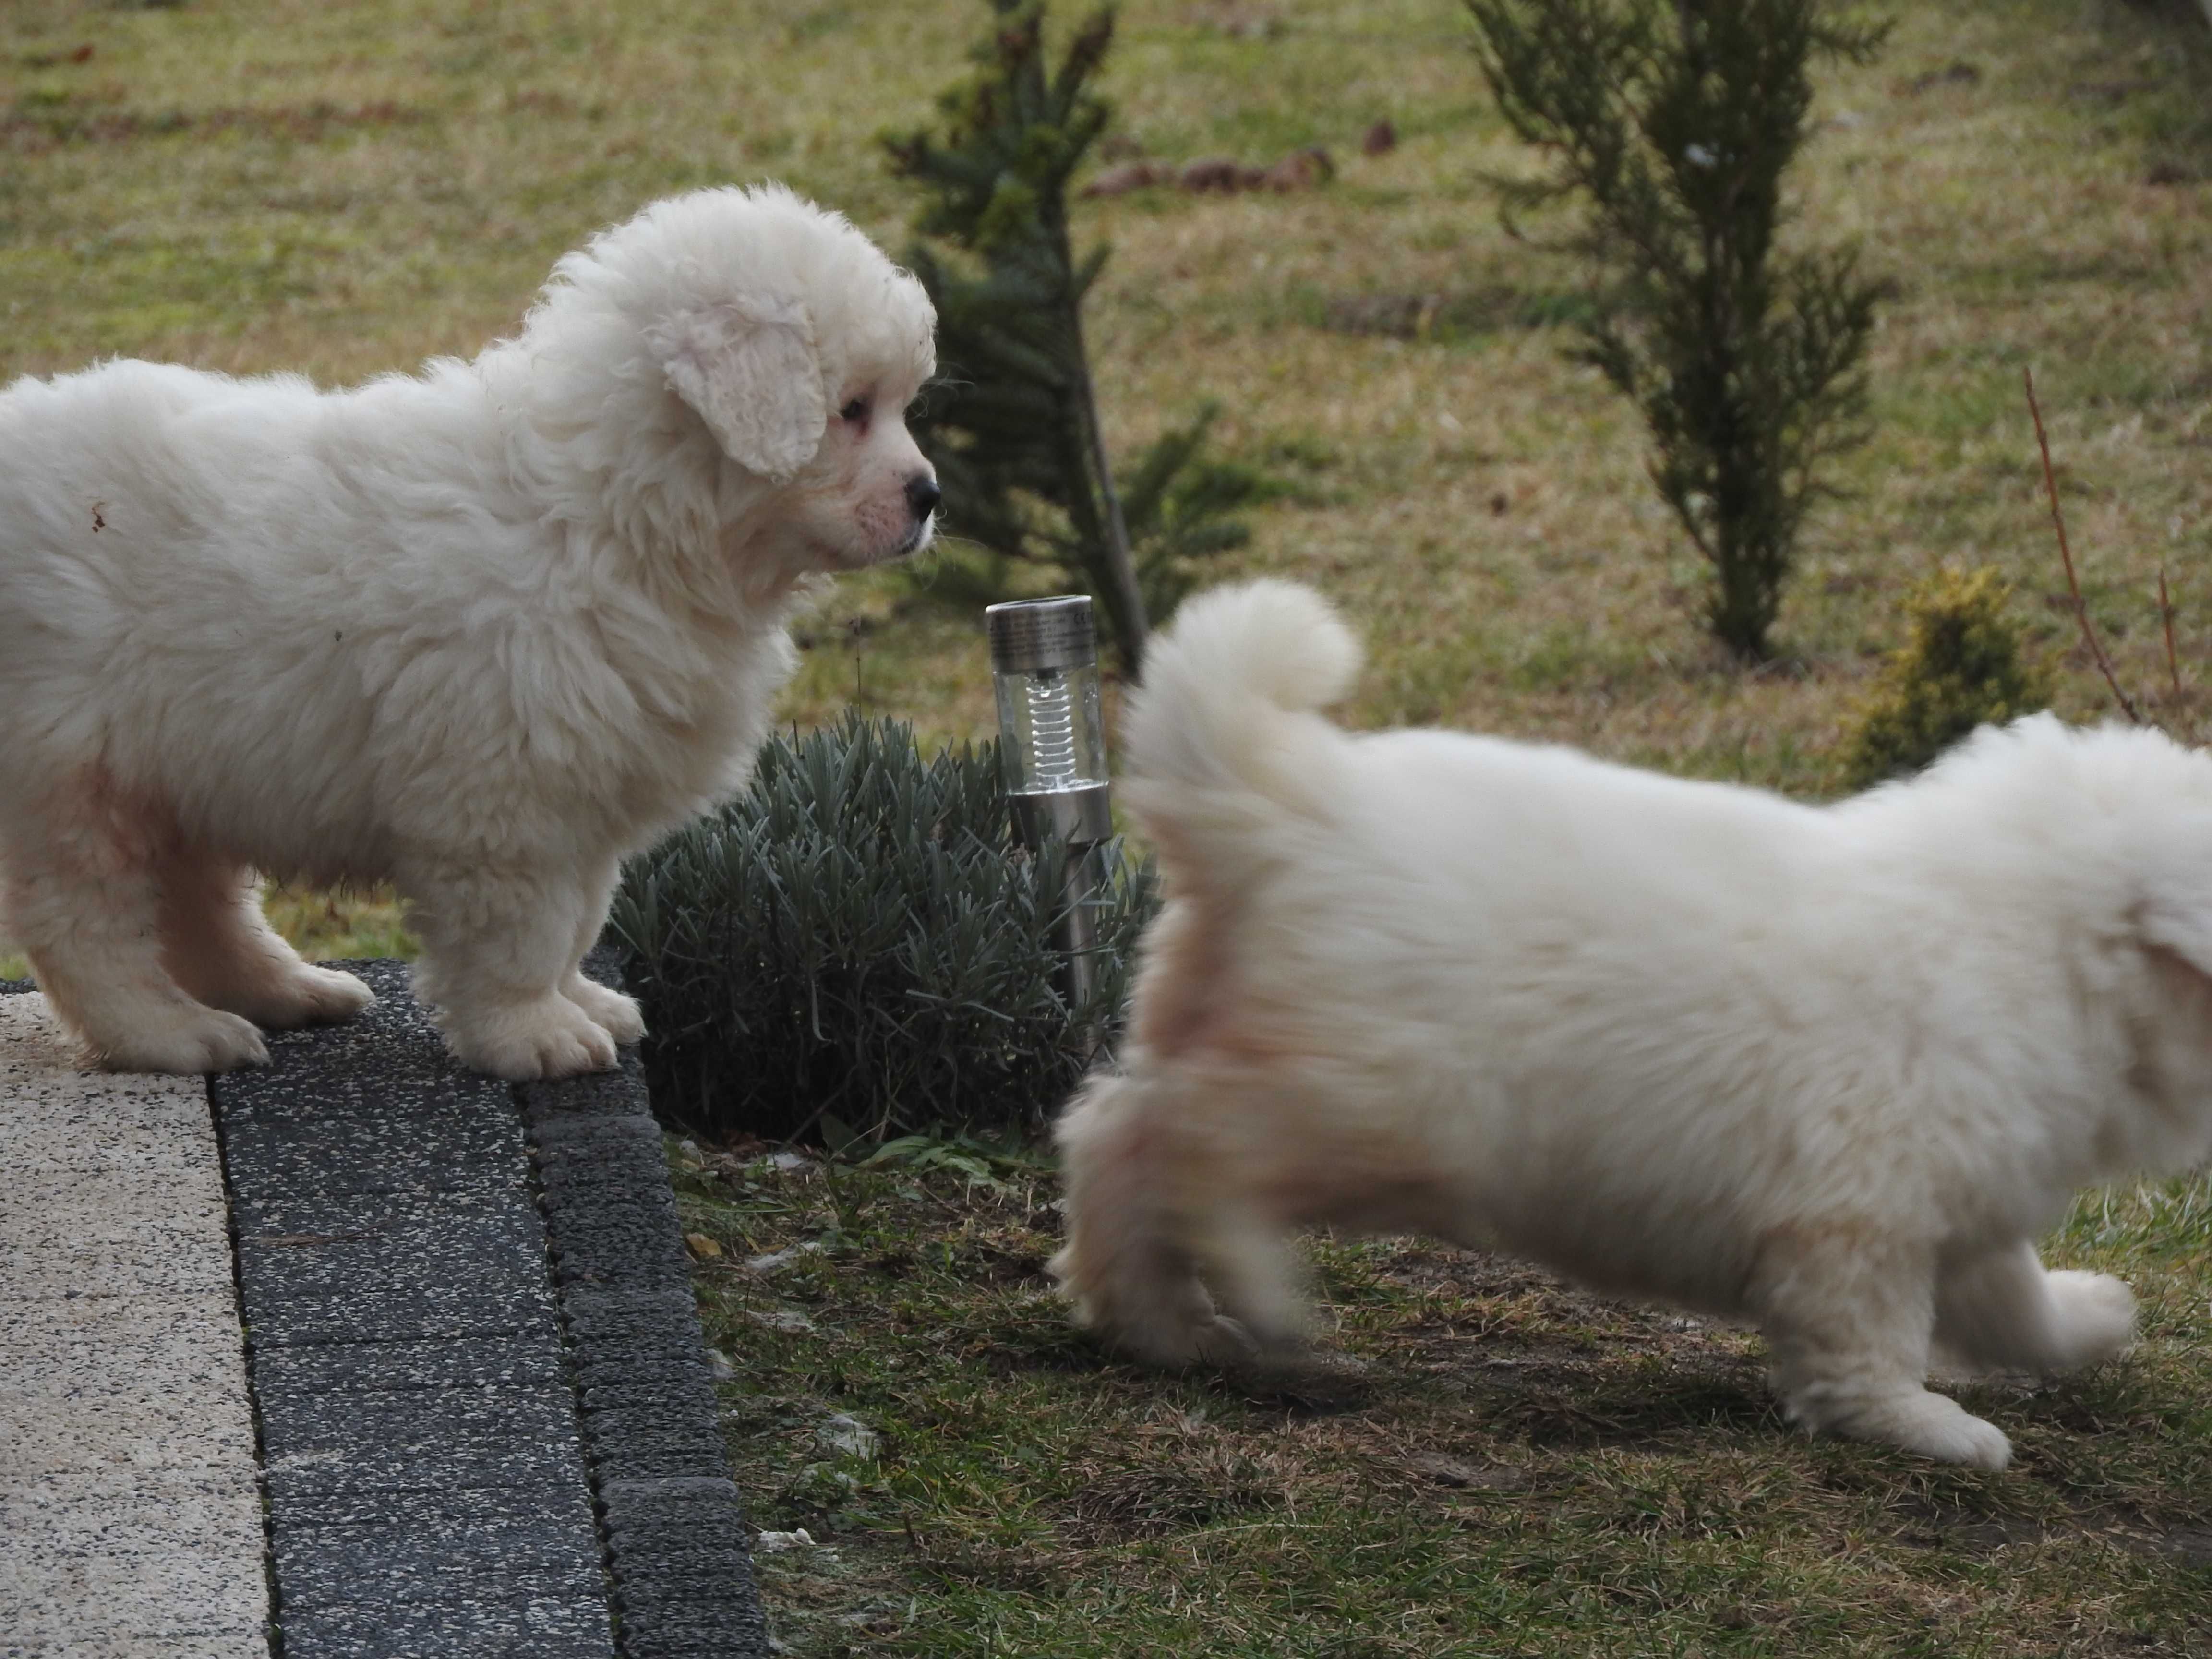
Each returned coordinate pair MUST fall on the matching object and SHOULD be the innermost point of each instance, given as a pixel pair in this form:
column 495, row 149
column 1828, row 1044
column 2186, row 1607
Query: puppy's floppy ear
column 749, row 372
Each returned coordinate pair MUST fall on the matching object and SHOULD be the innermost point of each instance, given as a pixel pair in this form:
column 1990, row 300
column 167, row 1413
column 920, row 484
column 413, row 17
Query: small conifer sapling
column 1013, row 427
column 1673, row 123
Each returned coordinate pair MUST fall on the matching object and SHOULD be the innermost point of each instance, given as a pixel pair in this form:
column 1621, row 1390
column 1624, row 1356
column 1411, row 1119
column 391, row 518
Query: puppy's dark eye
column 856, row 410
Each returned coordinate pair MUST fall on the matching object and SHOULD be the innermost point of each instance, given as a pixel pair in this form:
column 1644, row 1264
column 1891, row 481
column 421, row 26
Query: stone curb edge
column 672, row 1521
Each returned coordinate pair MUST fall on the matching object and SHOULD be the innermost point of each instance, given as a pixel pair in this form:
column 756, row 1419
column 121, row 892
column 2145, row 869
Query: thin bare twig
column 2066, row 556
column 2165, row 616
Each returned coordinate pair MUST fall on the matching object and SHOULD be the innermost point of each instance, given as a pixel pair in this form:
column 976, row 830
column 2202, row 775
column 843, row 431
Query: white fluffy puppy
column 481, row 631
column 1832, row 1069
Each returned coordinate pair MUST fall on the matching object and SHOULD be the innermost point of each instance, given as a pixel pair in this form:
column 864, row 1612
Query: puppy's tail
column 1225, row 719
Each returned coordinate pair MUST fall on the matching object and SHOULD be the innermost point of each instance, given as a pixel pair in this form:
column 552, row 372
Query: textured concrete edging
column 425, row 1477
column 488, row 1424
column 672, row 1520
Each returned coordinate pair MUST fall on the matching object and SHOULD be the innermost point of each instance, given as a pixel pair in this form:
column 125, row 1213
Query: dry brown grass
column 253, row 184
column 259, row 185
column 1505, row 1466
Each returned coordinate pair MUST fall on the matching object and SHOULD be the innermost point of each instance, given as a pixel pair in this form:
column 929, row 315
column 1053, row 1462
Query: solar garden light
column 1052, row 745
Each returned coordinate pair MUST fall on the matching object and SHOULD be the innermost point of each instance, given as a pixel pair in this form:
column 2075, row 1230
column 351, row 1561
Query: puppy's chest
column 702, row 715
column 683, row 766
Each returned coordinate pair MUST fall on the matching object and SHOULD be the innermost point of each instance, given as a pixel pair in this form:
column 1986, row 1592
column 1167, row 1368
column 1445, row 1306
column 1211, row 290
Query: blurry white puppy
column 481, row 631
column 1832, row 1069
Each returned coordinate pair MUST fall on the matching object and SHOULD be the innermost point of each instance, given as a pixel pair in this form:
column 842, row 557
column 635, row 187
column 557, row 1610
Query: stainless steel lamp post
column 1052, row 746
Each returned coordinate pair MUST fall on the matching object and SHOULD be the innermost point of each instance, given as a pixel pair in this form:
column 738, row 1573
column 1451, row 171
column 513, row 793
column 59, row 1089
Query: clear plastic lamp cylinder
column 1052, row 739
column 1052, row 743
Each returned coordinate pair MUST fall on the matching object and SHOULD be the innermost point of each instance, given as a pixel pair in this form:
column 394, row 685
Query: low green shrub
column 858, row 949
column 1965, row 666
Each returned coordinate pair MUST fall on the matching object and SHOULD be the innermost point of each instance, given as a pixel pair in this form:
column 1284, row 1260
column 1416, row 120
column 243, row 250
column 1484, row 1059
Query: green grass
column 261, row 184
column 254, row 185
column 323, row 926
column 1513, row 1468
column 327, row 926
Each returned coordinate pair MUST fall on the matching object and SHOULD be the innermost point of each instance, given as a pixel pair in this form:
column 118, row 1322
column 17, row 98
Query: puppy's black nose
column 922, row 495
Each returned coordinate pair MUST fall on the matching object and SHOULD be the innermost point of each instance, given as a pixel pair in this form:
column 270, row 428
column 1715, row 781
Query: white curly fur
column 1832, row 1069
column 481, row 631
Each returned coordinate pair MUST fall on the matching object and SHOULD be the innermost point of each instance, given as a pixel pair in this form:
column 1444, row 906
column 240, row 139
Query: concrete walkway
column 470, row 1418
column 130, row 1502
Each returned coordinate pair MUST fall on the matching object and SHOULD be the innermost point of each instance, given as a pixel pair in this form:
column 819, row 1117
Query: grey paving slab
column 129, row 1647
column 412, row 1090
column 437, row 1151
column 131, row 1517
column 561, row 1504
column 460, row 1362
column 425, row 1475
column 439, row 1554
column 354, row 1266
column 480, row 1628
column 364, row 1440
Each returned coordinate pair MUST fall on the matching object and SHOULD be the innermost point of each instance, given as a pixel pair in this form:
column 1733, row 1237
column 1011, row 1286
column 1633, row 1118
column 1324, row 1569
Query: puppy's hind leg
column 220, row 947
column 83, row 861
column 1130, row 1264
column 1847, row 1311
column 2001, row 1311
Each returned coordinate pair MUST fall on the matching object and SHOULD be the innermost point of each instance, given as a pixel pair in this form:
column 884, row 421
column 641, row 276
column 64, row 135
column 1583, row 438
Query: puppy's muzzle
column 922, row 496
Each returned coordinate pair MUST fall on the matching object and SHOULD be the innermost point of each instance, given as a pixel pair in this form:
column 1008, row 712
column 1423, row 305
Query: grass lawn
column 1513, row 1468
column 346, row 189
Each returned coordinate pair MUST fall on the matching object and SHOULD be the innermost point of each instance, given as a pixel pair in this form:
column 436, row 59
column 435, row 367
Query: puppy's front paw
column 549, row 1038
column 308, row 996
column 204, row 1040
column 1961, row 1437
column 1927, row 1423
column 613, row 1012
column 2094, row 1314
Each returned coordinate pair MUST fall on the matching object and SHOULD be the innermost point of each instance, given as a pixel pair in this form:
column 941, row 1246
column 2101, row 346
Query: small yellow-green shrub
column 1966, row 665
